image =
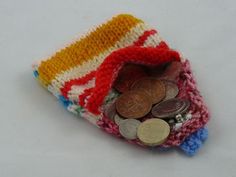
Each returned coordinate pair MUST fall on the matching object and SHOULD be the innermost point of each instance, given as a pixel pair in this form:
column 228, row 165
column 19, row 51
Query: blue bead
column 36, row 74
column 64, row 101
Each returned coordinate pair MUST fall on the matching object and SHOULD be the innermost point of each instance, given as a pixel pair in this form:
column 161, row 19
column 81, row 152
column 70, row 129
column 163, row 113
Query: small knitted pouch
column 82, row 74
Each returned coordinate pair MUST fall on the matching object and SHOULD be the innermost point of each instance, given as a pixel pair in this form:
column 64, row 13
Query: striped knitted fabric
column 82, row 74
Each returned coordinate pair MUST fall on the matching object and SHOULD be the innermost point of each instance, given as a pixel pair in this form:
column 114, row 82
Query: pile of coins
column 147, row 108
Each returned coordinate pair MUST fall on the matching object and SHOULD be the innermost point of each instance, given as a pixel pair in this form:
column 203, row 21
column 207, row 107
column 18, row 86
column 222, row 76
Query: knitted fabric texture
column 82, row 74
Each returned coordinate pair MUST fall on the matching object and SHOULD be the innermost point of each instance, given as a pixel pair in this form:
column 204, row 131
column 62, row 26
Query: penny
column 151, row 86
column 133, row 104
column 153, row 132
column 128, row 128
column 118, row 119
column 172, row 71
column 127, row 76
column 110, row 111
column 172, row 89
column 168, row 108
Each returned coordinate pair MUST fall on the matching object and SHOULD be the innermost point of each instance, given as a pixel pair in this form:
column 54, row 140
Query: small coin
column 127, row 76
column 172, row 71
column 153, row 132
column 128, row 128
column 151, row 86
column 172, row 89
column 110, row 111
column 168, row 108
column 118, row 119
column 133, row 104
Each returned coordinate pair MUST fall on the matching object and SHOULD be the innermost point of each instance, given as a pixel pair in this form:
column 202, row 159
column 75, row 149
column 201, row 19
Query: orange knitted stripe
column 104, row 37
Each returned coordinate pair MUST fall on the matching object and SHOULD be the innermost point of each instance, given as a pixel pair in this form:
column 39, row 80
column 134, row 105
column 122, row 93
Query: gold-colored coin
column 153, row 132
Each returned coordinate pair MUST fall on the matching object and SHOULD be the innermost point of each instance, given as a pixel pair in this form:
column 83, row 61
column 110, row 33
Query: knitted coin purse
column 82, row 74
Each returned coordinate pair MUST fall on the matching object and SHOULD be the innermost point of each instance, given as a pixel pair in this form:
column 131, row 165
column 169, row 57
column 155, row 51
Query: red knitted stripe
column 163, row 45
column 80, row 81
column 107, row 71
column 144, row 37
column 84, row 95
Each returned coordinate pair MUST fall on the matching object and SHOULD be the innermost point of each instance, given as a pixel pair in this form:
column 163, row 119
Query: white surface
column 38, row 138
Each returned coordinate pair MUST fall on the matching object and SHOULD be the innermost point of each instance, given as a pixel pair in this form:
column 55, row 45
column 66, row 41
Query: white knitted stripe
column 91, row 117
column 78, row 90
column 153, row 40
column 84, row 114
column 92, row 64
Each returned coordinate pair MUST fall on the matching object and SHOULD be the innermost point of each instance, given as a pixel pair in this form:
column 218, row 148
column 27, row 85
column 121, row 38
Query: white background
column 38, row 138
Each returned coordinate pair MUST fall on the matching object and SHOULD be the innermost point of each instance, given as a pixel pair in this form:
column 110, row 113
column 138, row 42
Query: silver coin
column 168, row 108
column 118, row 119
column 110, row 111
column 128, row 128
column 172, row 89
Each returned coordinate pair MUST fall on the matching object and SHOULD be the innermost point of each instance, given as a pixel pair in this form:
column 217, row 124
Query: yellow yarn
column 86, row 48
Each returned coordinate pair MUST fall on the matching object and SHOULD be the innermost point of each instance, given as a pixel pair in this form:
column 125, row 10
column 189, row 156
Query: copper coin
column 127, row 76
column 151, row 86
column 172, row 89
column 133, row 104
column 168, row 108
column 172, row 71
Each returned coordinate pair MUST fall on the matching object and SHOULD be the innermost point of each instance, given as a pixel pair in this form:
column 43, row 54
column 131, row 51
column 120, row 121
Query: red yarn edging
column 108, row 70
column 83, row 80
